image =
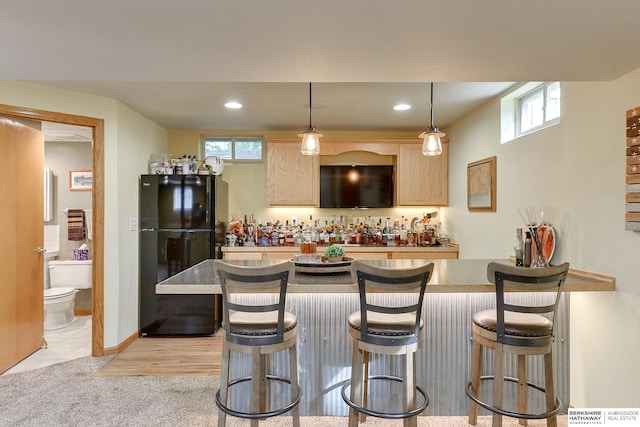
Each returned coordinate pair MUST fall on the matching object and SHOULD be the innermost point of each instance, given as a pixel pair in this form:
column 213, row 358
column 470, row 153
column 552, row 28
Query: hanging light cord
column 310, row 104
column 431, row 104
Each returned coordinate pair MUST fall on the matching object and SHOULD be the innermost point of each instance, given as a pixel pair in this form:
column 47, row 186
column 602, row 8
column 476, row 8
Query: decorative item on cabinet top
column 632, row 215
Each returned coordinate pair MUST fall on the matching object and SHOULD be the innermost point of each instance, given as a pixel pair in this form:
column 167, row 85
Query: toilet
column 65, row 277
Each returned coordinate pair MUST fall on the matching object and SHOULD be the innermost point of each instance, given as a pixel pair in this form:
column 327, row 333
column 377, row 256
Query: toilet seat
column 57, row 293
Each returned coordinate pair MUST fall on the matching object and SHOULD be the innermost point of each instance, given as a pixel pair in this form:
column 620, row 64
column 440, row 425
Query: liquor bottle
column 333, row 236
column 518, row 248
column 289, row 239
column 297, row 237
column 527, row 250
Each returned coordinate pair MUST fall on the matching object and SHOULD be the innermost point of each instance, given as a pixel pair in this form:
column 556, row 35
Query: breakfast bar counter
column 458, row 288
column 449, row 276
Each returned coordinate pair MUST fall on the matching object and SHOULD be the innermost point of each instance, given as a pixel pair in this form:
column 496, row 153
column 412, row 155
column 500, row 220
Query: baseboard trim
column 122, row 346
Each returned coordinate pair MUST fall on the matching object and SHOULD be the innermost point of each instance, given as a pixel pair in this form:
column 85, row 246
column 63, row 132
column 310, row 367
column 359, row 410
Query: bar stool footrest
column 389, row 415
column 258, row 415
column 525, row 416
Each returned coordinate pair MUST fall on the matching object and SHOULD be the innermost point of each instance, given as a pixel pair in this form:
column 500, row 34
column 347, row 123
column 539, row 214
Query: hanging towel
column 76, row 224
column 88, row 222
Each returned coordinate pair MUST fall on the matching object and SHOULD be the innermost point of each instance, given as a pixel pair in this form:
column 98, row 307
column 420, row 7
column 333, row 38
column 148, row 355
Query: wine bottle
column 518, row 248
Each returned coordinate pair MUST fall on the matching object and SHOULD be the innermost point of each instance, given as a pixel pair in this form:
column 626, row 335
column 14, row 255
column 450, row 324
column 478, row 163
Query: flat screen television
column 356, row 186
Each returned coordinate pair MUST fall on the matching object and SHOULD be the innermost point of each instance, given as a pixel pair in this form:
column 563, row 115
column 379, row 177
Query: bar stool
column 258, row 330
column 386, row 330
column 523, row 330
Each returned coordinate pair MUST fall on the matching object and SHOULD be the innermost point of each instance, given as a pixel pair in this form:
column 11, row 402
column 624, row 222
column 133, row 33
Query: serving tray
column 325, row 267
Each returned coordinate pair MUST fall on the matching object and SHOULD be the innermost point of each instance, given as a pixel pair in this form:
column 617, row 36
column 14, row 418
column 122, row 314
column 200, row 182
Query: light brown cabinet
column 422, row 180
column 355, row 252
column 292, row 178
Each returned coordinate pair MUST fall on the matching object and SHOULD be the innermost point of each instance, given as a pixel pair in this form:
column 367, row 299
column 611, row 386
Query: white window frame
column 234, row 140
column 511, row 110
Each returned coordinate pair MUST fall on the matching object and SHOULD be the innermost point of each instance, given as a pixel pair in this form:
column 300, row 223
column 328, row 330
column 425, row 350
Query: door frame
column 97, row 203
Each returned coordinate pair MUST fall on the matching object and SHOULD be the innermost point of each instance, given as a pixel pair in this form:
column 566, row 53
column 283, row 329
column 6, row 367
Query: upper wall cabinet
column 292, row 178
column 422, row 180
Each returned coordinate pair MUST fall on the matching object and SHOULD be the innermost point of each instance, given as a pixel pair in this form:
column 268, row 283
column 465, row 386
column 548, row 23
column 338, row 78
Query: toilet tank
column 69, row 273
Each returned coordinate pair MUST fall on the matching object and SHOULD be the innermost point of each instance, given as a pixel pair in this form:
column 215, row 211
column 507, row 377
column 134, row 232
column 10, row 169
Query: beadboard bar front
column 458, row 289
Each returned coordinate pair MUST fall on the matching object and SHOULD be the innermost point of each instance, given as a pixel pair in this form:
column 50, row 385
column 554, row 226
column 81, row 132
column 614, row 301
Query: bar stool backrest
column 251, row 279
column 508, row 277
column 375, row 279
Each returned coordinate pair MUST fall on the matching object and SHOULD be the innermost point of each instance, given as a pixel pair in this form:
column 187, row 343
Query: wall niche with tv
column 357, row 180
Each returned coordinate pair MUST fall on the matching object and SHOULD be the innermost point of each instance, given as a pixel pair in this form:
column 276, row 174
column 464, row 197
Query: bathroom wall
column 62, row 157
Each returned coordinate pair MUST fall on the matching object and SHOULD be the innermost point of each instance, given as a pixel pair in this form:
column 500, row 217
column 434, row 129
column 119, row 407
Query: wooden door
column 21, row 222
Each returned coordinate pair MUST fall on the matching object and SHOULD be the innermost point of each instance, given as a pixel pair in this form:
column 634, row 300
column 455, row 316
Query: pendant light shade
column 310, row 136
column 432, row 145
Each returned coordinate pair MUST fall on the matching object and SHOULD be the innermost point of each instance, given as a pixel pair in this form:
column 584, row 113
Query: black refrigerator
column 182, row 222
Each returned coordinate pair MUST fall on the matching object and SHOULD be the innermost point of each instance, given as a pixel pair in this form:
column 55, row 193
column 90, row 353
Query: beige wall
column 128, row 139
column 248, row 182
column 577, row 170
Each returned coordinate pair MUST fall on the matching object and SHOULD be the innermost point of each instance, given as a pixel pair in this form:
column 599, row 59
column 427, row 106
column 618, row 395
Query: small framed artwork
column 481, row 185
column 81, row 180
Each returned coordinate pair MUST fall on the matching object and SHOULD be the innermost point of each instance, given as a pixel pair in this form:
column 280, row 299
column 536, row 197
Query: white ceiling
column 61, row 132
column 177, row 62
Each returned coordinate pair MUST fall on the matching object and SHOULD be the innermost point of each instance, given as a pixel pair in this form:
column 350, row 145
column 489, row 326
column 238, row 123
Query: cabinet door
column 293, row 178
column 422, row 180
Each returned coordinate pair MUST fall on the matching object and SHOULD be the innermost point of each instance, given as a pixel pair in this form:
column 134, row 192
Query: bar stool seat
column 386, row 330
column 520, row 330
column 259, row 330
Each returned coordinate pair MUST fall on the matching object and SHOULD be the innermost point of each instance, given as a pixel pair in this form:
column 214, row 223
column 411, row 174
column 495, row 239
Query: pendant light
column 310, row 136
column 431, row 146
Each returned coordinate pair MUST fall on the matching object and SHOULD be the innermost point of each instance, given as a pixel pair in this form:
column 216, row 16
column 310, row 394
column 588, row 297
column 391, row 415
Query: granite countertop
column 449, row 276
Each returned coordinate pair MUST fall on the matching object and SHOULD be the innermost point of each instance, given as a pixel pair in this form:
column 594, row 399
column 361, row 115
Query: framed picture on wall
column 80, row 180
column 481, row 185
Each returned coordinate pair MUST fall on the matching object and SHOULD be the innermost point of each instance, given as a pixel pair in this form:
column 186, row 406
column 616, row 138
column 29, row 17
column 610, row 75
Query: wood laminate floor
column 167, row 356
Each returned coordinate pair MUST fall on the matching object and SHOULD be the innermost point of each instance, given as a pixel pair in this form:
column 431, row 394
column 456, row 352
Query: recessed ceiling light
column 233, row 105
column 401, row 107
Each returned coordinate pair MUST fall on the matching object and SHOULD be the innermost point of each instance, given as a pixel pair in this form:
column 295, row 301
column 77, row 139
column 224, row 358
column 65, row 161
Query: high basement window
column 234, row 148
column 530, row 108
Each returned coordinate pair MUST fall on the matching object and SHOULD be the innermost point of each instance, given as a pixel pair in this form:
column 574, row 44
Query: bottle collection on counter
column 309, row 236
column 166, row 164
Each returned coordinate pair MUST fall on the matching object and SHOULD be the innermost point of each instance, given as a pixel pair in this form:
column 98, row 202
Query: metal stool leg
column 498, row 385
column 224, row 384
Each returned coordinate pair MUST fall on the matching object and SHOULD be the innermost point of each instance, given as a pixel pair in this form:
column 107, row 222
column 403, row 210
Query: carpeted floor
column 67, row 394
